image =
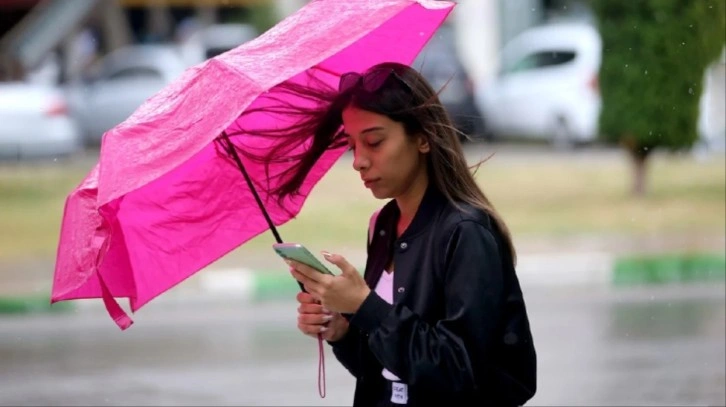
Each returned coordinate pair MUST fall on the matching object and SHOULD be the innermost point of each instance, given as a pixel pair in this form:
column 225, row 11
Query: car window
column 214, row 51
column 134, row 72
column 540, row 60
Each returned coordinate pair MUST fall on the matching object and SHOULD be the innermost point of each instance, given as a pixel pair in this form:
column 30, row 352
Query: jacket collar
column 431, row 203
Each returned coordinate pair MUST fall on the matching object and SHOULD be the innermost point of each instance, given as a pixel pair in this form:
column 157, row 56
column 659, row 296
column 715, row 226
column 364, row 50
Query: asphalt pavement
column 647, row 345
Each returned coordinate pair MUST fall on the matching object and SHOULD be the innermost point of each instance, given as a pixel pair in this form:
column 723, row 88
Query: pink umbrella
column 162, row 202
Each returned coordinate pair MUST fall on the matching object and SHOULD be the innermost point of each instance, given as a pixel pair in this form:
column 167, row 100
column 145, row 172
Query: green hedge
column 669, row 268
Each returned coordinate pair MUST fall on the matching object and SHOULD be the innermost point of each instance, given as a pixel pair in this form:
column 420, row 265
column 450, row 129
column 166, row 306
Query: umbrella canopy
column 162, row 202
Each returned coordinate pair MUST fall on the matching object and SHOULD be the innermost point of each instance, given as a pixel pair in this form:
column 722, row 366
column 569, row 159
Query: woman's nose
column 359, row 161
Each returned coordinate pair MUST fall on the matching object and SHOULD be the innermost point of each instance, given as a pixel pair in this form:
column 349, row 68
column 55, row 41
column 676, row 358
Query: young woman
column 438, row 317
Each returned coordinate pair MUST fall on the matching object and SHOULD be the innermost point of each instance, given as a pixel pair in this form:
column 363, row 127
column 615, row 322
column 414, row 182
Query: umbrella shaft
column 233, row 152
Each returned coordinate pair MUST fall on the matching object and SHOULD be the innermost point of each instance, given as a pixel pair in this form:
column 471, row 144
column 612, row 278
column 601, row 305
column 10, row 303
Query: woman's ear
column 423, row 144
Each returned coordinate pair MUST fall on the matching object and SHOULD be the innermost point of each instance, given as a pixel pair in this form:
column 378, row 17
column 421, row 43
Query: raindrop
column 683, row 43
column 690, row 91
column 652, row 297
column 650, row 133
column 626, row 65
column 55, row 160
column 420, row 33
column 646, row 72
column 645, row 148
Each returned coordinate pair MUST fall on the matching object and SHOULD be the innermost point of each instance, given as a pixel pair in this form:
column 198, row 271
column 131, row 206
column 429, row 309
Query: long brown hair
column 405, row 97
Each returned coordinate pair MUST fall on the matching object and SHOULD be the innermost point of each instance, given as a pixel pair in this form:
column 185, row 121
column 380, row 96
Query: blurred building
column 49, row 34
column 59, row 37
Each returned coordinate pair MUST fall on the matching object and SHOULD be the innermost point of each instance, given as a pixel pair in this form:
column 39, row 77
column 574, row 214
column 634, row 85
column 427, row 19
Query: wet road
column 596, row 346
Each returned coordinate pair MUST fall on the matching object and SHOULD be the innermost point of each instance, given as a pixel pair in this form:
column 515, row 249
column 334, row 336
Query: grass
column 555, row 195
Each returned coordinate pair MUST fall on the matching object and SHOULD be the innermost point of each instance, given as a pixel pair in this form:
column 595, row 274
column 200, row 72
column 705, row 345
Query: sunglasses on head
column 369, row 82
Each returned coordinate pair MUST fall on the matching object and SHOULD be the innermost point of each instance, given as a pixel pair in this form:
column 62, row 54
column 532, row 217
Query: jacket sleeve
column 439, row 357
column 347, row 351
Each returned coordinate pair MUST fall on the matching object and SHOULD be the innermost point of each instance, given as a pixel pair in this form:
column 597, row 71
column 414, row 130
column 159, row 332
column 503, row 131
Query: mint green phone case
column 298, row 252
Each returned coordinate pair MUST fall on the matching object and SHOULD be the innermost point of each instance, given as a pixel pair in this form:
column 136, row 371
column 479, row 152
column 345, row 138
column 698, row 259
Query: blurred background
column 604, row 124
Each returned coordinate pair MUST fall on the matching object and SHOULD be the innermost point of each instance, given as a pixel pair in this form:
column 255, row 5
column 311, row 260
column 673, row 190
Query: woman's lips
column 369, row 182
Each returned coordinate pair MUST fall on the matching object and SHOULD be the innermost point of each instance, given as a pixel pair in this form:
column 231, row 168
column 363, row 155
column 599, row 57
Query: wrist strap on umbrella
column 321, row 367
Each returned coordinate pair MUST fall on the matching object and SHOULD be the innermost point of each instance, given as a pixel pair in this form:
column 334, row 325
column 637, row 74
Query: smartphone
column 298, row 252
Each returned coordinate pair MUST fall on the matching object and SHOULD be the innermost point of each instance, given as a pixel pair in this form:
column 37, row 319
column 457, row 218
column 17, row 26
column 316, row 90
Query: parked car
column 210, row 41
column 34, row 122
column 440, row 64
column 547, row 87
column 123, row 80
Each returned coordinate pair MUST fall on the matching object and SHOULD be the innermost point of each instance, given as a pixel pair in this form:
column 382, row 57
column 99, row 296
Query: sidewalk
column 571, row 261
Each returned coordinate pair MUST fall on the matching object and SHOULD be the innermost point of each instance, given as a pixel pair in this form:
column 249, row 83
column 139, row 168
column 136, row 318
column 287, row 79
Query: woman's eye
column 375, row 143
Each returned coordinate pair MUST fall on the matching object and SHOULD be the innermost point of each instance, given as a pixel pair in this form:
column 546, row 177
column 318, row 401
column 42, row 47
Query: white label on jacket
column 399, row 394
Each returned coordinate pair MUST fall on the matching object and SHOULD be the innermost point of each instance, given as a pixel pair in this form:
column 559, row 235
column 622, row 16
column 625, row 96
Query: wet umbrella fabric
column 162, row 203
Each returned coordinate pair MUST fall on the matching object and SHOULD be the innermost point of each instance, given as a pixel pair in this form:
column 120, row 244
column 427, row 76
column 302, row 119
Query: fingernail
column 323, row 329
column 326, row 254
column 326, row 311
column 288, row 262
column 327, row 318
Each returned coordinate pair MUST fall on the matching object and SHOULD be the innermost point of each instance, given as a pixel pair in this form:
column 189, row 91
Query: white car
column 547, row 87
column 34, row 122
column 126, row 78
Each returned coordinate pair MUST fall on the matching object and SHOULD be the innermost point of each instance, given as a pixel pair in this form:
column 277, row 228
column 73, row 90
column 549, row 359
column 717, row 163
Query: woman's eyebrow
column 372, row 129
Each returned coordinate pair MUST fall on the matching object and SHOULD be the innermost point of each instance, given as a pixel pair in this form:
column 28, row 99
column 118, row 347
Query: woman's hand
column 343, row 293
column 313, row 319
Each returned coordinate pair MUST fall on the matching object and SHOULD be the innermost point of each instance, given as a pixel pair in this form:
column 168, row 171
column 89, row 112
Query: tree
column 654, row 56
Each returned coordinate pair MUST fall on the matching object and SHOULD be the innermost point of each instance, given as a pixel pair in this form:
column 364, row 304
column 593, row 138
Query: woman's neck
column 409, row 202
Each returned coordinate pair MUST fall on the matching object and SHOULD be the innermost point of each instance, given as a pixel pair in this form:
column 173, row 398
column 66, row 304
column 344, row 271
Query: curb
column 549, row 270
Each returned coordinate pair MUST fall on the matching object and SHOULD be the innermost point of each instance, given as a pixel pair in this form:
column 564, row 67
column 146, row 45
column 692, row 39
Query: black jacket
column 457, row 333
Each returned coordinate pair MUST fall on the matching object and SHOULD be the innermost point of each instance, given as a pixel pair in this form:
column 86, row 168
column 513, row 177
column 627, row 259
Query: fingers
column 312, row 309
column 310, row 285
column 340, row 262
column 310, row 273
column 313, row 324
column 312, row 330
column 306, row 298
column 314, row 319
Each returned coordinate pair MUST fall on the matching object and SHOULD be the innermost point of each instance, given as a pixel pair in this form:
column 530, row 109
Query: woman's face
column 388, row 160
